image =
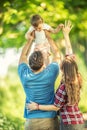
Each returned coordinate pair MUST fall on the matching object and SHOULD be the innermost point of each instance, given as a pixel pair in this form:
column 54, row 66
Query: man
column 38, row 83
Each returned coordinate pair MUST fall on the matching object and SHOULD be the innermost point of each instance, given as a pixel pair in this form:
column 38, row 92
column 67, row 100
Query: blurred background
column 14, row 22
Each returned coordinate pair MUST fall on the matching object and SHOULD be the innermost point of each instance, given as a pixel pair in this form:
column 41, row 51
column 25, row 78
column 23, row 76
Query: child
column 68, row 94
column 39, row 28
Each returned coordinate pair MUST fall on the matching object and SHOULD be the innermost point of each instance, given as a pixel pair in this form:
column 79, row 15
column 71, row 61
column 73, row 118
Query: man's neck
column 41, row 69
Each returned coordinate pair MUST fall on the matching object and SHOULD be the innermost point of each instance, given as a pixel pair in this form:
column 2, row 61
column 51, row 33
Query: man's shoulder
column 22, row 64
column 23, row 70
column 54, row 64
column 22, row 67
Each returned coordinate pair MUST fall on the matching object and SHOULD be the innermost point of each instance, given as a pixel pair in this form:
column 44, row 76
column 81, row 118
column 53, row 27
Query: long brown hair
column 72, row 80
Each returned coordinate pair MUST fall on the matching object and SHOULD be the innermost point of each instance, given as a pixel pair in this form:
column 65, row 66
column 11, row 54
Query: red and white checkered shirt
column 70, row 114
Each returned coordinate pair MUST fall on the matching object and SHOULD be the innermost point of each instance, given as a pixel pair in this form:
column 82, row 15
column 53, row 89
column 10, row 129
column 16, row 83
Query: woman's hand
column 66, row 30
column 67, row 27
column 32, row 106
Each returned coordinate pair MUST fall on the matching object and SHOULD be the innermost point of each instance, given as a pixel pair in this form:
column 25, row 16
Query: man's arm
column 54, row 48
column 29, row 33
column 25, row 52
column 55, row 51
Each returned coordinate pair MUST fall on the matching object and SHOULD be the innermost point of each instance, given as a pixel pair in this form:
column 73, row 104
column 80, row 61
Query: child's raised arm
column 56, row 30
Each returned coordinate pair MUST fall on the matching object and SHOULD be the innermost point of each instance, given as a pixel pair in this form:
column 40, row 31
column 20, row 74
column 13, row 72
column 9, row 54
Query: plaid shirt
column 70, row 114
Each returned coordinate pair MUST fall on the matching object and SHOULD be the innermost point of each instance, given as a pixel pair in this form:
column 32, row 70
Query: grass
column 11, row 102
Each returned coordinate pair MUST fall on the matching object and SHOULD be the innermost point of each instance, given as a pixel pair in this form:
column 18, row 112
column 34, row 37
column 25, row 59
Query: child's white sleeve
column 47, row 27
column 30, row 30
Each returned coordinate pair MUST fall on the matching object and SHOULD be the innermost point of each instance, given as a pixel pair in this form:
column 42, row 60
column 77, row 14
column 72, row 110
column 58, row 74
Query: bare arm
column 25, row 52
column 60, row 26
column 55, row 51
column 54, row 48
column 29, row 35
column 66, row 30
column 34, row 106
column 48, row 108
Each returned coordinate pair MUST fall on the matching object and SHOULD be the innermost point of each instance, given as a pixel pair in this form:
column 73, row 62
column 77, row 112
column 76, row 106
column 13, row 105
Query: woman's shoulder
column 61, row 89
column 62, row 86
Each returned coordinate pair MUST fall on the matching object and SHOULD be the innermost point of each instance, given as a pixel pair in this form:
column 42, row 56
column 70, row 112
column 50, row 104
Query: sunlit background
column 14, row 22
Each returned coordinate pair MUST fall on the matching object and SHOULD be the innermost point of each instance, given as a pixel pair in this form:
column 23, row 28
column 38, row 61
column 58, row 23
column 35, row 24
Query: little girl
column 39, row 29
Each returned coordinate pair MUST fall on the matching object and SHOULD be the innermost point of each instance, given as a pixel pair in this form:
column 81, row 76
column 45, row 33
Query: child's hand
column 61, row 26
column 31, row 36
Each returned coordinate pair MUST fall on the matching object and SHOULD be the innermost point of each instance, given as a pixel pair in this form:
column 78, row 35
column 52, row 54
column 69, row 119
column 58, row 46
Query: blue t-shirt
column 39, row 88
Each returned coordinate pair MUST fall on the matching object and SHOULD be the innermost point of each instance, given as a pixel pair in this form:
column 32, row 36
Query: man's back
column 39, row 87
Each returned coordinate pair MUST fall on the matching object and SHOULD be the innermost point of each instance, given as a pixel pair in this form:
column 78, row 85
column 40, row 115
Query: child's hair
column 72, row 80
column 36, row 60
column 36, row 20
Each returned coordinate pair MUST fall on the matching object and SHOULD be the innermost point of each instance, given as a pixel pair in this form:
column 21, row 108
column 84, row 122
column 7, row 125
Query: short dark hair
column 36, row 60
column 36, row 20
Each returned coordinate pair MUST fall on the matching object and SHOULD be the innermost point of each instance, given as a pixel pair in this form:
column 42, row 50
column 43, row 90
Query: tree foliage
column 15, row 18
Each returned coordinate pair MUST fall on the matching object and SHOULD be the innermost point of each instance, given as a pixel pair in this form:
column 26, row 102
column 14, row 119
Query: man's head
column 36, row 22
column 36, row 60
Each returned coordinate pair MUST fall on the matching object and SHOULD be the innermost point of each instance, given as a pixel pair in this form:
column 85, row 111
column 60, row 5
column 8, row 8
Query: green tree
column 15, row 20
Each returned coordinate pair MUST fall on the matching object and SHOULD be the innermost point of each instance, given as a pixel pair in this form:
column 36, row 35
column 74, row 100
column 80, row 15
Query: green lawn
column 11, row 102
